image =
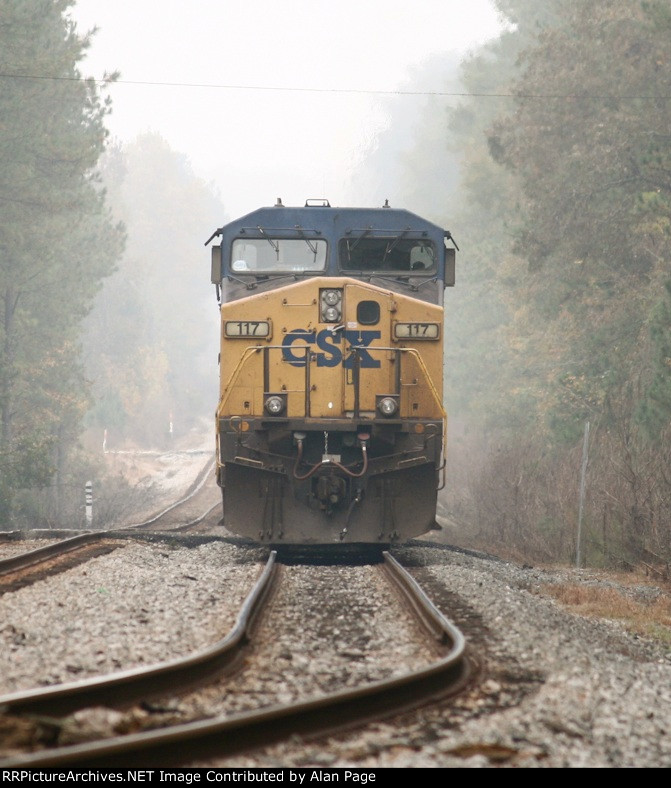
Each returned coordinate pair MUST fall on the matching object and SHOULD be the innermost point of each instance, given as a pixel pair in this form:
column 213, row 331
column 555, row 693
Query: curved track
column 132, row 685
column 179, row 516
column 226, row 735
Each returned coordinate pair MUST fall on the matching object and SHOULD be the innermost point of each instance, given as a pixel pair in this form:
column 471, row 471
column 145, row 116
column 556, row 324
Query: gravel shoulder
column 138, row 605
column 556, row 689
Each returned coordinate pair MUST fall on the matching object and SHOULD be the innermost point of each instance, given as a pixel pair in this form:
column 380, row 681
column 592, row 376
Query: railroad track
column 197, row 509
column 228, row 734
column 194, row 509
column 33, row 565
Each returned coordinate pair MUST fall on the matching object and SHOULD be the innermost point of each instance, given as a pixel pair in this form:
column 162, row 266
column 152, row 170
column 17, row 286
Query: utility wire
column 276, row 88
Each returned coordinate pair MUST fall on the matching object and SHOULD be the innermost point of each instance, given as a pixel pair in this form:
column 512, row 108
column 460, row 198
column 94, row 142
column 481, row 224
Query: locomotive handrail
column 414, row 352
column 243, row 359
column 252, row 349
column 438, row 402
column 226, row 391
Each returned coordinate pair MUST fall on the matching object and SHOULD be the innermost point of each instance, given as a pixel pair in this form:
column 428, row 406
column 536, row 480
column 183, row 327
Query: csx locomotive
column 330, row 425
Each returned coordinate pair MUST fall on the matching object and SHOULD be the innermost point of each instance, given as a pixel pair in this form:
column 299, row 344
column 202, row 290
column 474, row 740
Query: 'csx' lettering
column 331, row 343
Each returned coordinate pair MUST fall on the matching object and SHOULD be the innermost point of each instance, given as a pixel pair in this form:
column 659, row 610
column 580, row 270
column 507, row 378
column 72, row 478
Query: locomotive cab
column 330, row 422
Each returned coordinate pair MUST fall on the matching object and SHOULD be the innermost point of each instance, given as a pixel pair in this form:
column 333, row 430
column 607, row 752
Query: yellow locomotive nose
column 331, row 358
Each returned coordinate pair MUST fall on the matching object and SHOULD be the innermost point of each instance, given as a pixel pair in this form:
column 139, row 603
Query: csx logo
column 333, row 344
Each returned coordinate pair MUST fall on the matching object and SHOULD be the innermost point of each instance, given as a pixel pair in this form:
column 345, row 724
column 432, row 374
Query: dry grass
column 646, row 618
column 615, row 595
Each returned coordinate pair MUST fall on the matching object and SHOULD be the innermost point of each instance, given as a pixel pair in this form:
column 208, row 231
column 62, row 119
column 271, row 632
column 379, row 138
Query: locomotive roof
column 328, row 219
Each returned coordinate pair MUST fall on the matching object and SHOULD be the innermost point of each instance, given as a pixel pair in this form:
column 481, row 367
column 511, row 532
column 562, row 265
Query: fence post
column 89, row 503
column 583, row 470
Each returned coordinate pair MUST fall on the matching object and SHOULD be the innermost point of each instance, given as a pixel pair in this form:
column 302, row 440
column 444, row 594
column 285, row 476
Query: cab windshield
column 277, row 255
column 394, row 254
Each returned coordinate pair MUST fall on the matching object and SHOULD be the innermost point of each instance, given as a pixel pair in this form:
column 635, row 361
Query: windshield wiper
column 394, row 243
column 275, row 245
column 311, row 246
column 357, row 241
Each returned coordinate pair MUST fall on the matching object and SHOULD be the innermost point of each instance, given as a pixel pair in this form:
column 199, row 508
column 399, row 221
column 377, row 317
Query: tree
column 589, row 143
column 487, row 380
column 576, row 244
column 152, row 338
column 56, row 238
column 655, row 407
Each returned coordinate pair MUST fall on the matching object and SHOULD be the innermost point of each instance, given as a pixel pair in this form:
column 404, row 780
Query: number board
column 417, row 331
column 244, row 329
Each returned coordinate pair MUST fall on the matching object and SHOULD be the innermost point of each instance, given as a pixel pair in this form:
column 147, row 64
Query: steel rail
column 196, row 520
column 41, row 554
column 63, row 546
column 433, row 621
column 198, row 487
column 222, row 736
column 125, row 687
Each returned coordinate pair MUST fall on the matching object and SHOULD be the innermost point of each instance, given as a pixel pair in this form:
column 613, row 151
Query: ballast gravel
column 138, row 605
column 555, row 689
column 328, row 628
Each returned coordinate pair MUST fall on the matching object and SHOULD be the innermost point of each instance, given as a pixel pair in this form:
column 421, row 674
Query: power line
column 275, row 88
column 356, row 91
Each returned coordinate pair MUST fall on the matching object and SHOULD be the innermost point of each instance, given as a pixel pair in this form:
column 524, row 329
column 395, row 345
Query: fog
column 273, row 100
column 220, row 110
column 546, row 154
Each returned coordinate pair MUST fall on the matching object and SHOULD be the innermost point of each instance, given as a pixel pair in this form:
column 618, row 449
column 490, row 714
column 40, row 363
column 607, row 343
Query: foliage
column 586, row 147
column 589, row 143
column 655, row 408
column 151, row 340
column 562, row 309
column 56, row 239
column 487, row 377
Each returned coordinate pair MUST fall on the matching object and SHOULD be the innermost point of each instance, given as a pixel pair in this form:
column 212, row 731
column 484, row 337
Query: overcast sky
column 258, row 91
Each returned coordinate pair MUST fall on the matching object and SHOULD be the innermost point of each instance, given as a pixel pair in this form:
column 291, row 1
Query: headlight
column 274, row 404
column 387, row 405
column 330, row 307
column 331, row 297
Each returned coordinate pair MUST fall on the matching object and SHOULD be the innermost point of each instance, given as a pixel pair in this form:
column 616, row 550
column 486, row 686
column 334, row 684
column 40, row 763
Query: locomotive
column 330, row 426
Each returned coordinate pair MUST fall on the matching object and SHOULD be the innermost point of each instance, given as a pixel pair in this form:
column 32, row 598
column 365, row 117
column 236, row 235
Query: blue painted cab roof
column 330, row 221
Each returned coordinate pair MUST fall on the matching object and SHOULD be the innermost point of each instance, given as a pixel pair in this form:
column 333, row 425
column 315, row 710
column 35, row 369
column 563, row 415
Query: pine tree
column 655, row 409
column 152, row 339
column 589, row 144
column 56, row 239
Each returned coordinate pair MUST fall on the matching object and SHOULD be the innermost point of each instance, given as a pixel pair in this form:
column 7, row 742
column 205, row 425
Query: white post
column 89, row 504
column 583, row 470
